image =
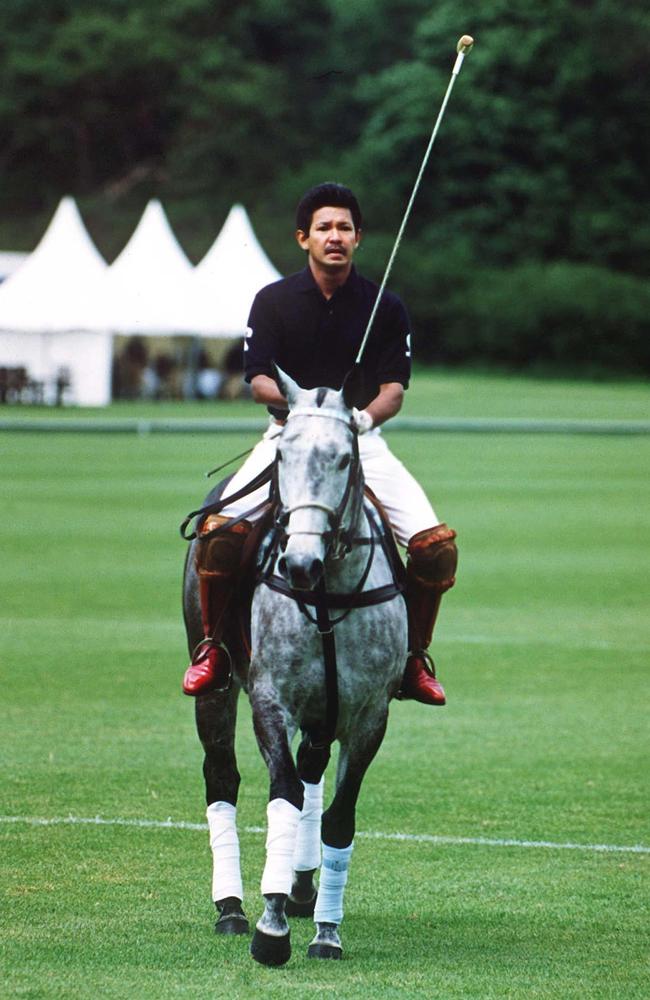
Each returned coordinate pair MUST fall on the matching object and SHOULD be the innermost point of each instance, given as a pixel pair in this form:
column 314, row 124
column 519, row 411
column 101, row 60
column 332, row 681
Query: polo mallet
column 464, row 46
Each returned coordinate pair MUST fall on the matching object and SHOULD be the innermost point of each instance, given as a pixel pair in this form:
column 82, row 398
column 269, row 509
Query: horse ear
column 286, row 384
column 354, row 388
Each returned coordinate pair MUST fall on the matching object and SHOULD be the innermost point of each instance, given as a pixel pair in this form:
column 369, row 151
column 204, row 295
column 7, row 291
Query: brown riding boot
column 430, row 571
column 217, row 563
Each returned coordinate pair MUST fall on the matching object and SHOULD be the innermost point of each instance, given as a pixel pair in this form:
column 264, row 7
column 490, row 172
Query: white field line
column 412, row 838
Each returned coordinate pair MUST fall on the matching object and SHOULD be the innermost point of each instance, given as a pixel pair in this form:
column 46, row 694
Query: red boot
column 209, row 670
column 430, row 571
column 217, row 561
column 420, row 682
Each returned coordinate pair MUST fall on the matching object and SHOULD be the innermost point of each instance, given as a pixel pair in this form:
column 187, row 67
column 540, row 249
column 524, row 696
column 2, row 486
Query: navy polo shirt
column 316, row 340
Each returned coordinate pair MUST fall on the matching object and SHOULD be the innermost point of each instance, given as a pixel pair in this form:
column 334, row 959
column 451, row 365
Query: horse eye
column 345, row 461
column 279, row 455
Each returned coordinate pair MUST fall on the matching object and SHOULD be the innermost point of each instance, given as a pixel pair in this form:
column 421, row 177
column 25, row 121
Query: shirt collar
column 307, row 282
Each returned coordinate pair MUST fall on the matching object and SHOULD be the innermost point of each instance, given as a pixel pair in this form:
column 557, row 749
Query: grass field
column 543, row 648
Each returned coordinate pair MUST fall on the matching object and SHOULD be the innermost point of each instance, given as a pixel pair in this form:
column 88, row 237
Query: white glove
column 361, row 420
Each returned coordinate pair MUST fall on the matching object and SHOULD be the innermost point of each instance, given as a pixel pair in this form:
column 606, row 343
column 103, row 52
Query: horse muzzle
column 301, row 571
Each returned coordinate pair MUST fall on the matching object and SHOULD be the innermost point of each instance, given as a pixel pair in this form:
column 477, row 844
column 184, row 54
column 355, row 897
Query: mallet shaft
column 464, row 46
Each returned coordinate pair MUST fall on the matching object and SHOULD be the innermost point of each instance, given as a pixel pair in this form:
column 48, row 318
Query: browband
column 311, row 411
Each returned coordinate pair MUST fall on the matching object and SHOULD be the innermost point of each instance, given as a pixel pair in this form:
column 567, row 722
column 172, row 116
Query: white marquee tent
column 47, row 322
column 224, row 284
column 144, row 288
column 9, row 261
column 62, row 306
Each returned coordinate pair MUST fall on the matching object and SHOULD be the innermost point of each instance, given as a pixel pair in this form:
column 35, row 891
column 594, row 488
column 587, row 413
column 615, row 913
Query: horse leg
column 216, row 716
column 271, row 944
column 312, row 762
column 338, row 828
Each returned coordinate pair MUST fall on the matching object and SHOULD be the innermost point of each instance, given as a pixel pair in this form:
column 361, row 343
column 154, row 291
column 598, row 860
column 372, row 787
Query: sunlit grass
column 543, row 648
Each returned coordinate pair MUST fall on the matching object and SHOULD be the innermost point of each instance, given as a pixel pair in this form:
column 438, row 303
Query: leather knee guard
column 433, row 557
column 221, row 554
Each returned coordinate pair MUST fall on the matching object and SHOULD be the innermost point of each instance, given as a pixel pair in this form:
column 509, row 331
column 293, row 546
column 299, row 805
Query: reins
column 348, row 601
column 265, row 476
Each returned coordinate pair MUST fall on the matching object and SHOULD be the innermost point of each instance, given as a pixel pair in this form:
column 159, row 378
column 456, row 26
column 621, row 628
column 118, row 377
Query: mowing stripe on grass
column 413, row 838
column 156, row 626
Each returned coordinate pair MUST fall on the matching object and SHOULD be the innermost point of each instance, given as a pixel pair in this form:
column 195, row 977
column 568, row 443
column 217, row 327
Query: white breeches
column 403, row 498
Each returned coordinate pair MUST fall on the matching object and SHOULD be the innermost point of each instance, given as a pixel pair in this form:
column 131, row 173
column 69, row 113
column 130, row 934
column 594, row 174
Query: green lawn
column 432, row 393
column 543, row 648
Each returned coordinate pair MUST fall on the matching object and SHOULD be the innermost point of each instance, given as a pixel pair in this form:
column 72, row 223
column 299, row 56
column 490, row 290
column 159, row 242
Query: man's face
column 332, row 238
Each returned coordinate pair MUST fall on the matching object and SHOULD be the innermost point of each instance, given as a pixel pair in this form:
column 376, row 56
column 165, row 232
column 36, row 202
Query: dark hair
column 335, row 195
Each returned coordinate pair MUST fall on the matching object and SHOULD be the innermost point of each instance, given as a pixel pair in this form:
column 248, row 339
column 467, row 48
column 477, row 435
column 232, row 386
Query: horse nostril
column 316, row 569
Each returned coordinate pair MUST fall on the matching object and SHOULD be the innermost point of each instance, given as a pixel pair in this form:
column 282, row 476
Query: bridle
column 338, row 539
column 325, row 609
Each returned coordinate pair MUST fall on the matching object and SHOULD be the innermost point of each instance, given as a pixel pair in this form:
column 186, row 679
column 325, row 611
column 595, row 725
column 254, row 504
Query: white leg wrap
column 283, row 819
column 306, row 855
column 331, row 886
column 226, row 873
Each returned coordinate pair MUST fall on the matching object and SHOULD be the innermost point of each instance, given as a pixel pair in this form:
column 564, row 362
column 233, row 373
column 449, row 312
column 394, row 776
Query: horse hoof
column 232, row 923
column 327, row 943
column 300, row 907
column 324, row 951
column 267, row 949
column 231, row 919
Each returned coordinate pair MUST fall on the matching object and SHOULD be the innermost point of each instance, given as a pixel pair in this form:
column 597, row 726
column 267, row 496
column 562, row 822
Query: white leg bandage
column 226, row 873
column 283, row 819
column 331, row 886
column 306, row 855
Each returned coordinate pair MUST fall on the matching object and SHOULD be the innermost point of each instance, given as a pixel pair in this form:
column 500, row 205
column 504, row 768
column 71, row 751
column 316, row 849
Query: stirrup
column 424, row 655
column 211, row 643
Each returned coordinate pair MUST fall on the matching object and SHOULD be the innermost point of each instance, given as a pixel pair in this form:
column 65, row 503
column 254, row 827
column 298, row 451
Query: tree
column 544, row 153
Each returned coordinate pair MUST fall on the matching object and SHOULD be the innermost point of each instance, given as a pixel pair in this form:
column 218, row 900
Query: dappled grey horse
column 328, row 648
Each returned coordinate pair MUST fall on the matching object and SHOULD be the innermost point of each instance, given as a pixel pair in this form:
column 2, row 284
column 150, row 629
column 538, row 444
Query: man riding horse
column 312, row 324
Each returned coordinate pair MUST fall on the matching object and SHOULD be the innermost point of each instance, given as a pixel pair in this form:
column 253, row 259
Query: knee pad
column 433, row 557
column 221, row 554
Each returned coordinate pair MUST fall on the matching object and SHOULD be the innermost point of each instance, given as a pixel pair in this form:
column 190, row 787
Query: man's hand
column 362, row 420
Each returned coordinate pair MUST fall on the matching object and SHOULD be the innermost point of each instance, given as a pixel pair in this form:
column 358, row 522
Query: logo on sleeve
column 247, row 336
column 408, row 345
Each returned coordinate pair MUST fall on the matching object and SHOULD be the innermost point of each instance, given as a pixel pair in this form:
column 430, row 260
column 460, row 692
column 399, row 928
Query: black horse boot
column 217, row 564
column 430, row 571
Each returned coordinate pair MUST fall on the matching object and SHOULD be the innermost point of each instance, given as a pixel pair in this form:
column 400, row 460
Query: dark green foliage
column 544, row 155
column 542, row 316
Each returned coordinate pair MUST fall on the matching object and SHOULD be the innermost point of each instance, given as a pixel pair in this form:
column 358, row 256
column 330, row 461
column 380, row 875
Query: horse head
column 319, row 481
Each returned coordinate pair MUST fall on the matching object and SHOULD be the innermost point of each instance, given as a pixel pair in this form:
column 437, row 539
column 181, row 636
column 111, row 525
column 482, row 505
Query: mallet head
column 465, row 43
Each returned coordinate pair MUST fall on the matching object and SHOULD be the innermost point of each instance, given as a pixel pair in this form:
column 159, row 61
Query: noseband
column 338, row 540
